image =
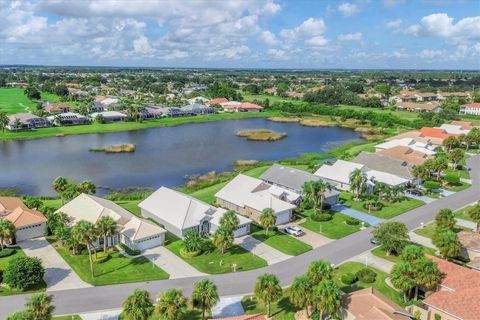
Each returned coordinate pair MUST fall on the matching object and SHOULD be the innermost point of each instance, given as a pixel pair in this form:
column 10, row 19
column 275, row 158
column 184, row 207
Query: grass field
column 333, row 229
column 463, row 213
column 280, row 241
column 429, row 230
column 380, row 252
column 13, row 100
column 281, row 310
column 402, row 114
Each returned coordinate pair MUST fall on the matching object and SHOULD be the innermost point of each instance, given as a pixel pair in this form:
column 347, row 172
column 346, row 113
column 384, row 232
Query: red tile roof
column 436, row 133
column 245, row 105
column 14, row 210
column 459, row 292
column 217, row 101
column 472, row 105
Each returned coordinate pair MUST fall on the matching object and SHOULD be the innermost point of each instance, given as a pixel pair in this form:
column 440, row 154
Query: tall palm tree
column 358, row 179
column 3, row 121
column 86, row 234
column 323, row 187
column 59, row 185
column 204, row 295
column 300, row 292
column 318, row 271
column 445, row 219
column 474, row 213
column 311, row 194
column 106, row 226
column 267, row 219
column 171, row 304
column 412, row 253
column 402, row 278
column 267, row 289
column 39, row 307
column 17, row 124
column 87, row 187
column 426, row 275
column 447, row 243
column 328, row 300
column 138, row 306
column 230, row 220
column 222, row 239
column 7, row 231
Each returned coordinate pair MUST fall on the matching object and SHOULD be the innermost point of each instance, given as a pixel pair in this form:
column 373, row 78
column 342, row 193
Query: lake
column 164, row 156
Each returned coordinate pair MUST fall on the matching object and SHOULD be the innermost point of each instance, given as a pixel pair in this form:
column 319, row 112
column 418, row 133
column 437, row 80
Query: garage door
column 150, row 243
column 30, row 232
column 241, row 231
column 283, row 217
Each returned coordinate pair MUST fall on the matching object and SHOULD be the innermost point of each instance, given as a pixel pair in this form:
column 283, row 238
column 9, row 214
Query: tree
column 319, row 270
column 106, row 226
column 7, row 231
column 402, row 278
column 32, row 93
column 427, row 275
column 267, row 289
column 56, row 220
column 447, row 243
column 311, row 194
column 138, row 306
column 4, row 120
column 87, row 187
column 267, row 219
column 358, row 179
column 421, row 172
column 59, row 185
column 39, row 307
column 445, row 219
column 230, row 220
column 412, row 253
column 440, row 165
column 204, row 295
column 300, row 292
column 19, row 315
column 86, row 234
column 327, row 298
column 474, row 214
column 450, row 143
column 222, row 239
column 171, row 304
column 455, row 156
column 392, row 235
column 23, row 272
column 323, row 187
column 192, row 241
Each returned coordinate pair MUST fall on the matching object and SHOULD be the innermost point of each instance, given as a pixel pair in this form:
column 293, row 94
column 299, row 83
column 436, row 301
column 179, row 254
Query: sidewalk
column 424, row 241
column 258, row 248
column 371, row 220
column 467, row 224
column 371, row 260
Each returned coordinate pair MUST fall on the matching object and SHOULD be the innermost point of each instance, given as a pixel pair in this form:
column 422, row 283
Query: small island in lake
column 116, row 148
column 261, row 135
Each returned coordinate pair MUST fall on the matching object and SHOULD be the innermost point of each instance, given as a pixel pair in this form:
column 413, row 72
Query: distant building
column 24, row 121
column 242, row 107
column 212, row 102
column 470, row 108
column 68, row 119
column 55, row 108
column 104, row 103
column 419, row 107
column 109, row 116
column 195, row 109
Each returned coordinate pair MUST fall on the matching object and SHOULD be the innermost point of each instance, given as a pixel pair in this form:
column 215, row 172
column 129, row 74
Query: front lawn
column 4, row 291
column 334, row 229
column 389, row 210
column 380, row 252
column 459, row 187
column 281, row 310
column 379, row 283
column 280, row 241
column 463, row 213
column 460, row 173
column 429, row 230
column 213, row 262
column 118, row 269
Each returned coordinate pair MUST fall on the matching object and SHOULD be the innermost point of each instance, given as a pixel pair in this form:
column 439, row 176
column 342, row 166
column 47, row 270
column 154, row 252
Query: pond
column 163, row 156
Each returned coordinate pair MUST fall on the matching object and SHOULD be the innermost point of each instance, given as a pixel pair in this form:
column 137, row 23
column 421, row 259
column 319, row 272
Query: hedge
column 130, row 252
column 349, row 278
column 352, row 221
column 7, row 252
column 431, row 184
column 322, row 217
column 366, row 275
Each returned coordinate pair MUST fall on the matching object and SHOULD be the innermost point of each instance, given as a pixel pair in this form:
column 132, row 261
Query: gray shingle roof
column 385, row 164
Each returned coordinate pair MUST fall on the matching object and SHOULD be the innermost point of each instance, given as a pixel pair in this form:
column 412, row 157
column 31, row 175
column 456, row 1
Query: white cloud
column 317, row 41
column 270, row 8
column 176, row 54
column 350, row 36
column 268, row 38
column 278, row 54
column 230, row 53
column 348, row 9
column 430, row 54
column 394, row 24
column 309, row 28
column 142, row 45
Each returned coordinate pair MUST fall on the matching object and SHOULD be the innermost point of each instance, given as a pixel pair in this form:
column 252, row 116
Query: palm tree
column 4, row 120
column 300, row 292
column 171, row 304
column 440, row 165
column 39, row 307
column 412, row 253
column 445, row 219
column 106, row 226
column 450, row 143
column 7, row 231
column 87, row 187
column 402, row 278
column 204, row 295
column 426, row 275
column 267, row 219
column 86, row 234
column 358, row 180
column 421, row 172
column 138, row 306
column 230, row 220
column 323, row 188
column 311, row 194
column 267, row 289
column 59, row 185
column 318, row 271
column 327, row 298
column 455, row 156
column 474, row 213
column 222, row 239
column 17, row 124
column 447, row 243
column 192, row 241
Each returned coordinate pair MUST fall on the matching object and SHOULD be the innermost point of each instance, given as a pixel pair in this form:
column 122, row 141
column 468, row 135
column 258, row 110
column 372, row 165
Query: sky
column 315, row 34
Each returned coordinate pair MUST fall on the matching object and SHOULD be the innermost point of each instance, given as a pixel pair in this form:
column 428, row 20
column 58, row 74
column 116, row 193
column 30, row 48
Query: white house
column 249, row 197
column 470, row 108
column 179, row 213
column 455, row 129
column 109, row 116
column 425, row 148
column 136, row 233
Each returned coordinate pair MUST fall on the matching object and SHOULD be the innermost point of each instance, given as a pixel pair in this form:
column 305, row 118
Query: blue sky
column 427, row 34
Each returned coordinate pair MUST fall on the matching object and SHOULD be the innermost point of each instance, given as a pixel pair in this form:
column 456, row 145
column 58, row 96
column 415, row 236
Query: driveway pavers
column 175, row 266
column 371, row 220
column 258, row 248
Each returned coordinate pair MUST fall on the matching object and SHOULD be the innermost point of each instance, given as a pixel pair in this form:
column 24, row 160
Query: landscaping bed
column 280, row 241
column 335, row 228
column 380, row 252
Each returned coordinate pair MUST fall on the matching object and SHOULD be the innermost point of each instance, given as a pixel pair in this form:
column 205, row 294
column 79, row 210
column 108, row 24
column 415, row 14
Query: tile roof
column 471, row 105
column 217, row 101
column 385, row 164
column 14, row 210
column 245, row 105
column 405, row 153
column 436, row 133
column 57, row 107
column 369, row 304
column 467, row 125
column 459, row 291
column 429, row 106
column 470, row 240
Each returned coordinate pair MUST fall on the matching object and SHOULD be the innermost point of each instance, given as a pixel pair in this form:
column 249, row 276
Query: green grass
column 333, row 229
column 460, row 173
column 118, row 269
column 72, row 317
column 389, row 210
column 428, row 231
column 380, row 252
column 400, row 113
column 208, row 194
column 213, row 262
column 463, row 213
column 4, row 291
column 281, row 310
column 12, row 100
column 461, row 186
column 280, row 241
column 53, row 203
column 131, row 205
column 379, row 283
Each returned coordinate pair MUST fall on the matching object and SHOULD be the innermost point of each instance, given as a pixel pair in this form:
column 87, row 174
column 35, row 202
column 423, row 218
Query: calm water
column 163, row 155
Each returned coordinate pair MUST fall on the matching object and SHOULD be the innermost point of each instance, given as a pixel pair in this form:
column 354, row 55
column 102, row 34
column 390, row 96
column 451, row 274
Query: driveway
column 421, row 198
column 258, row 248
column 58, row 274
column 424, row 241
column 228, row 307
column 311, row 238
column 367, row 258
column 171, row 263
column 467, row 224
column 371, row 220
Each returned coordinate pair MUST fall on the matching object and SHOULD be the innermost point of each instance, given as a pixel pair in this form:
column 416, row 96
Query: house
column 404, row 153
column 22, row 121
column 470, row 108
column 466, row 125
column 374, row 161
column 470, row 245
column 151, row 112
column 172, row 112
column 457, row 295
column 243, row 107
column 413, row 96
column 104, row 103
column 136, row 233
column 196, row 108
column 68, row 119
column 416, row 135
column 198, row 99
column 293, row 180
column 250, row 196
column 419, row 107
column 109, row 116
column 425, row 148
column 56, row 108
column 445, row 95
column 454, row 129
column 438, row 133
column 370, row 304
column 214, row 101
column 179, row 213
column 29, row 223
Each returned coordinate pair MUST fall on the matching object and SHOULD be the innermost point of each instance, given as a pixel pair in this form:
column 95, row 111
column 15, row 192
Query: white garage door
column 150, row 243
column 31, row 232
column 241, row 231
column 283, row 217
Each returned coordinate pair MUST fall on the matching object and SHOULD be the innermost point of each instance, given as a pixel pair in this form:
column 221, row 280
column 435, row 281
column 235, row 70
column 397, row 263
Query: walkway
column 367, row 258
column 171, row 263
column 258, row 248
column 371, row 220
column 58, row 274
column 311, row 238
column 421, row 198
column 467, row 224
column 424, row 241
column 228, row 307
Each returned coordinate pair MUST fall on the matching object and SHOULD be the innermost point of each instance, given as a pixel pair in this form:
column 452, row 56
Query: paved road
column 105, row 297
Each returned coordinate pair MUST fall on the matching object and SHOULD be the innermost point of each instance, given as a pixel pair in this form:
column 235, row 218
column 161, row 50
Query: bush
column 431, row 185
column 322, row 217
column 189, row 254
column 349, row 278
column 7, row 252
column 130, row 252
column 100, row 257
column 452, row 179
column 352, row 221
column 366, row 275
column 373, row 205
column 23, row 273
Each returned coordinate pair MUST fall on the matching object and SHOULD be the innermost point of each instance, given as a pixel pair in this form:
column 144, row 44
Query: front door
column 205, row 227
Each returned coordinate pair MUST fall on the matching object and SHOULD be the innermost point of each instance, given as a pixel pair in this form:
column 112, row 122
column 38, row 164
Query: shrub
column 100, row 257
column 130, row 252
column 349, row 278
column 366, row 275
column 431, row 185
column 23, row 272
column 322, row 217
column 7, row 252
column 352, row 221
column 189, row 254
column 438, row 317
column 452, row 179
column 373, row 205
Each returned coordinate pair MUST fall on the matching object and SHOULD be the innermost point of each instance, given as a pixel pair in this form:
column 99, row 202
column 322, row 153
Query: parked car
column 414, row 192
column 294, row 231
column 374, row 241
